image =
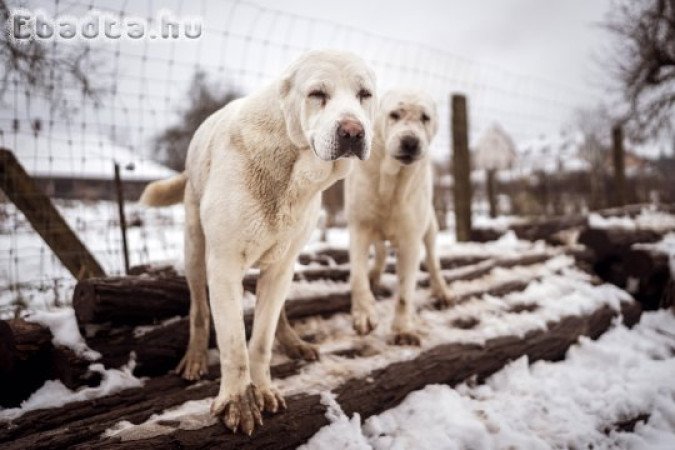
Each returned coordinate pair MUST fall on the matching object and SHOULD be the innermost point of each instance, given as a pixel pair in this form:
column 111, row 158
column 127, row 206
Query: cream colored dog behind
column 389, row 198
column 254, row 174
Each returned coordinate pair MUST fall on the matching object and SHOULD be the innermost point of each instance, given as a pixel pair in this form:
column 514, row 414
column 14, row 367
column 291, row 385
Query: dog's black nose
column 350, row 138
column 410, row 146
column 350, row 130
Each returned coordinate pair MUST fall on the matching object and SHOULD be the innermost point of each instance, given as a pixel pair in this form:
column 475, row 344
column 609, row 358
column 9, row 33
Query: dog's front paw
column 407, row 338
column 194, row 365
column 240, row 410
column 273, row 401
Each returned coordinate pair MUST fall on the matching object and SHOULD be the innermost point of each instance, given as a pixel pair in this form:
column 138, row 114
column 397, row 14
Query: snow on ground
column 648, row 219
column 569, row 404
column 557, row 289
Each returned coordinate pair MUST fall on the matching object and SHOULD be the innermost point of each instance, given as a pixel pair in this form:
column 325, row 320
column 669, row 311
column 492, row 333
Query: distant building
column 82, row 166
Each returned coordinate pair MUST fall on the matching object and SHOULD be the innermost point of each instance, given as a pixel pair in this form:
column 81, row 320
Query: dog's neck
column 280, row 175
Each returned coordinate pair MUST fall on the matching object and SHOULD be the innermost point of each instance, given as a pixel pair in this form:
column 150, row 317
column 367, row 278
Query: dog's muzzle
column 409, row 150
column 350, row 139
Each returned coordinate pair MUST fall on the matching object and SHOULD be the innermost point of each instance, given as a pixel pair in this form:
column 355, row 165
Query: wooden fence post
column 461, row 167
column 20, row 188
column 122, row 217
column 618, row 154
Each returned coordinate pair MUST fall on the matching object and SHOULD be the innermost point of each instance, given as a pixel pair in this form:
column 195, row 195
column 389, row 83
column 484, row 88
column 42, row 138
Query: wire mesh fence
column 117, row 98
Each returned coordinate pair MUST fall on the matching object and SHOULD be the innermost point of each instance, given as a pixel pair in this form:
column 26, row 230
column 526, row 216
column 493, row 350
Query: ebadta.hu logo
column 25, row 25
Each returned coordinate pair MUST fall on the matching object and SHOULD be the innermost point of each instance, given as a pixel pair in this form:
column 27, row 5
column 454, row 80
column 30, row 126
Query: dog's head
column 328, row 100
column 408, row 122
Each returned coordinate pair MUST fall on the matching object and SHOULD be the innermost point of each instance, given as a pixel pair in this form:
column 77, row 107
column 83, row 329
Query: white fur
column 252, row 198
column 387, row 200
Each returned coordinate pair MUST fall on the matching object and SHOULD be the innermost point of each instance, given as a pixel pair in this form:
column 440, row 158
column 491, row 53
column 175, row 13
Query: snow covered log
column 147, row 299
column 86, row 420
column 158, row 350
column 130, row 300
column 612, row 242
column 617, row 260
column 650, row 277
column 28, row 359
column 380, row 390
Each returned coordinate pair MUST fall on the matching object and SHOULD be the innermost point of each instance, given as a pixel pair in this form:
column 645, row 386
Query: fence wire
column 68, row 135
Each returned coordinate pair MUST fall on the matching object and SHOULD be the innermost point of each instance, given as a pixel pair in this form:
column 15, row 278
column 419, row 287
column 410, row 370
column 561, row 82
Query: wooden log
column 130, row 300
column 87, row 419
column 148, row 299
column 159, row 350
column 83, row 422
column 29, row 358
column 382, row 389
column 651, row 272
column 45, row 218
column 645, row 274
column 485, row 234
column 615, row 242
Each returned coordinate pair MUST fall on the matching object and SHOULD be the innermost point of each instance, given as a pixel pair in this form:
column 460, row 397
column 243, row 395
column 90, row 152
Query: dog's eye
column 394, row 115
column 425, row 118
column 364, row 94
column 319, row 95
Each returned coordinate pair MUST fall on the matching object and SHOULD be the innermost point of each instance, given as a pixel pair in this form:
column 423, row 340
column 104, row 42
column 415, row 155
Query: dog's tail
column 165, row 192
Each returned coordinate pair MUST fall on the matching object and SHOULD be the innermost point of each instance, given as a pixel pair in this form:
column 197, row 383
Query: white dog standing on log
column 389, row 198
column 254, row 174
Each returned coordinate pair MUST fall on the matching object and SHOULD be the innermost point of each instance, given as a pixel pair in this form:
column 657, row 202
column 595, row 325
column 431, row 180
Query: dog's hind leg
column 292, row 344
column 194, row 364
column 439, row 289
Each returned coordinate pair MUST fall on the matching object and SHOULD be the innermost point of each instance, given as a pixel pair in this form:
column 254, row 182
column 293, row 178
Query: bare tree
column 203, row 99
column 37, row 66
column 644, row 62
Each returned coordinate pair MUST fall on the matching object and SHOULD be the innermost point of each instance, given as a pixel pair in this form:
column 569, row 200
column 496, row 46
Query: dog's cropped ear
column 291, row 107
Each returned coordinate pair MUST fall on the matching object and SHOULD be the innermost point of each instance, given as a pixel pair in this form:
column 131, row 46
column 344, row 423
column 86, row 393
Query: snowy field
column 569, row 404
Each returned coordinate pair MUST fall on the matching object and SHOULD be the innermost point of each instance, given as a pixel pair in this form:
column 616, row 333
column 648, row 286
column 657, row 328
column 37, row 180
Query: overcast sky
column 500, row 53
column 556, row 40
